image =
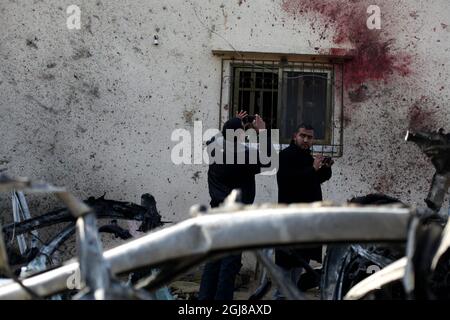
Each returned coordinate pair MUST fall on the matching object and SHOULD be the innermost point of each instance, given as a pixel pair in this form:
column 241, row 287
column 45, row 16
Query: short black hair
column 232, row 124
column 304, row 125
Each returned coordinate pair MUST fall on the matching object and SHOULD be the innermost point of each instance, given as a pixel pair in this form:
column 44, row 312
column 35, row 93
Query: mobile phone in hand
column 326, row 161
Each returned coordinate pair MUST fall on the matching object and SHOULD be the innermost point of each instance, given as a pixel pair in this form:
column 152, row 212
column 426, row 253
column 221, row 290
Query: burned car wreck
column 378, row 247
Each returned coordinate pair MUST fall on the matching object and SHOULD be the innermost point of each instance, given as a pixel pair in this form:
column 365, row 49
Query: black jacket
column 223, row 178
column 299, row 182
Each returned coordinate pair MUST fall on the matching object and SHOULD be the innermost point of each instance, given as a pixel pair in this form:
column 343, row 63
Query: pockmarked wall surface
column 94, row 108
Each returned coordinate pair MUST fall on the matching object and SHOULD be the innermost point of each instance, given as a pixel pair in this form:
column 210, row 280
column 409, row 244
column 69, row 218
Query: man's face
column 304, row 138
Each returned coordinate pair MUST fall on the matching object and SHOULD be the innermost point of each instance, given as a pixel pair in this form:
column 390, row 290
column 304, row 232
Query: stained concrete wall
column 94, row 109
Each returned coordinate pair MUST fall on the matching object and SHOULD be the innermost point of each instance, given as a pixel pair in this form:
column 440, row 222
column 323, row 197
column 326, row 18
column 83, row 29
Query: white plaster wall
column 94, row 109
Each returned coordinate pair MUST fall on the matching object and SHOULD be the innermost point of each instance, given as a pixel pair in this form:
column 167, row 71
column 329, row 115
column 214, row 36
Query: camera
column 327, row 161
column 248, row 119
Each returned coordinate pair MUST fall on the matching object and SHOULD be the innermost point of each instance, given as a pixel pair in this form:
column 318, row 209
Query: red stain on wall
column 374, row 58
column 383, row 183
column 358, row 95
column 420, row 116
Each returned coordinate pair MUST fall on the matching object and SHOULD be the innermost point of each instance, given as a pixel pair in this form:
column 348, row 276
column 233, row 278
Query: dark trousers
column 218, row 278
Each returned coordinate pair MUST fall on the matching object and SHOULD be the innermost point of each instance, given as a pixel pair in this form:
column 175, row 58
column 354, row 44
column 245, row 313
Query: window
column 287, row 93
column 257, row 93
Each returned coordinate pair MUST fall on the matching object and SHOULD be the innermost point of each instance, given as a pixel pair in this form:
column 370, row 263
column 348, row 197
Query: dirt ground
column 187, row 287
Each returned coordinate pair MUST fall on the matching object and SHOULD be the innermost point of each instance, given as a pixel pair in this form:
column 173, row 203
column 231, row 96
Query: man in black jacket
column 299, row 177
column 223, row 177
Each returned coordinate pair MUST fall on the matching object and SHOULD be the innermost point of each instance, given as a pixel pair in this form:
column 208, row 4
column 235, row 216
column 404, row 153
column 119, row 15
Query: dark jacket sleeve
column 324, row 174
column 301, row 173
column 294, row 171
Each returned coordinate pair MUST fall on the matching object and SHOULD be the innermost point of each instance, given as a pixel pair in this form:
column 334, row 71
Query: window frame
column 329, row 100
column 229, row 58
column 282, row 70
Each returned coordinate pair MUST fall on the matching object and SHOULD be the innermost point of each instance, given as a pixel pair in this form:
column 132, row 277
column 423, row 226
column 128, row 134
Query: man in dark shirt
column 218, row 277
column 299, row 177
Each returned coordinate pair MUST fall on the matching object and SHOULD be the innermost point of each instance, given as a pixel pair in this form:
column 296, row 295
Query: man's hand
column 241, row 114
column 317, row 162
column 327, row 162
column 259, row 123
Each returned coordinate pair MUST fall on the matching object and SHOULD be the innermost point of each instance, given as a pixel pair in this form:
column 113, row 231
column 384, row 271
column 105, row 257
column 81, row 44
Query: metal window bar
column 21, row 212
column 302, row 73
column 232, row 88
